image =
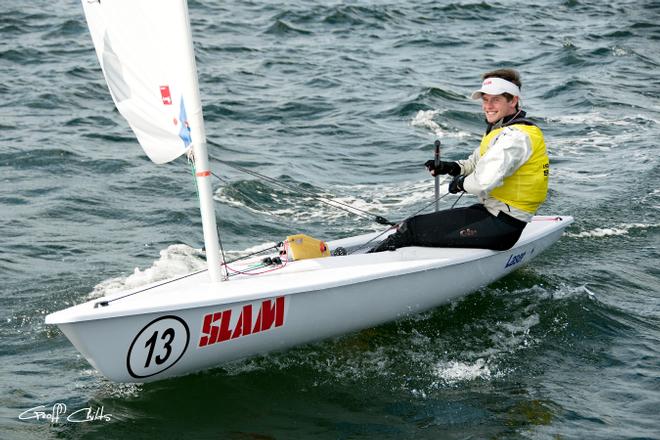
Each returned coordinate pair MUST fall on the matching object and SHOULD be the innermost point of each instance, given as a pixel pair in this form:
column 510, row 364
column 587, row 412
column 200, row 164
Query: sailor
column 508, row 173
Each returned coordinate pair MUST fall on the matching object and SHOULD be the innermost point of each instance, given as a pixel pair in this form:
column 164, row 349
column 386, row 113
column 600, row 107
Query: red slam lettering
column 217, row 327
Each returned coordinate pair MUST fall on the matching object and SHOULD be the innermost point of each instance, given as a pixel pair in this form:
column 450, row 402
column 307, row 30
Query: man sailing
column 508, row 172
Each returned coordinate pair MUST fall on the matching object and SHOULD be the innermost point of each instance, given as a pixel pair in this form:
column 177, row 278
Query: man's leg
column 470, row 227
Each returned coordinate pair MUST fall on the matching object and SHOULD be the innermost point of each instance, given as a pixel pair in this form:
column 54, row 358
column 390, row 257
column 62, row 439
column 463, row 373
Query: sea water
column 344, row 99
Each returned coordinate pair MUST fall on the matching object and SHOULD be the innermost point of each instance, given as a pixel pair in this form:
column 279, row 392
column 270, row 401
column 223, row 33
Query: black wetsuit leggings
column 469, row 227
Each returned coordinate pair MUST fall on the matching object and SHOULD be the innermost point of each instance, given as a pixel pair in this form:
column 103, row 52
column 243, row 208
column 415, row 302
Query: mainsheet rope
column 333, row 203
column 435, row 200
column 330, row 202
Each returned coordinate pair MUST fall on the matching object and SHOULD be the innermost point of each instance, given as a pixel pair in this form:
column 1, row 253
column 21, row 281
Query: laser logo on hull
column 515, row 259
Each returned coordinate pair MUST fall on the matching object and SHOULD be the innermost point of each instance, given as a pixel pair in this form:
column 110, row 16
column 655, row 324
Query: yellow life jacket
column 527, row 187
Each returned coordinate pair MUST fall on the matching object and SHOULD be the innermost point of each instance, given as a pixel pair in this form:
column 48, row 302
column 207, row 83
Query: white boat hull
column 190, row 324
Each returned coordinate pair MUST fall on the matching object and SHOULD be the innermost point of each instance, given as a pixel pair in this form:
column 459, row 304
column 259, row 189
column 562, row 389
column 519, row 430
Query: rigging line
column 226, row 181
column 333, row 203
column 107, row 302
column 457, row 199
column 222, row 252
column 191, row 162
column 224, row 257
column 362, row 246
column 193, row 167
column 276, row 247
column 248, row 271
column 153, row 286
column 284, row 221
column 429, row 204
column 244, row 194
column 330, row 202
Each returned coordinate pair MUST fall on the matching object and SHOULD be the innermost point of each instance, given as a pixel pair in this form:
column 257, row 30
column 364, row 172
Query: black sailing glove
column 451, row 168
column 456, row 184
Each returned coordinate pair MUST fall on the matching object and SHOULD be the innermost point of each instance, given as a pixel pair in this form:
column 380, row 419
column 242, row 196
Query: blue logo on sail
column 184, row 132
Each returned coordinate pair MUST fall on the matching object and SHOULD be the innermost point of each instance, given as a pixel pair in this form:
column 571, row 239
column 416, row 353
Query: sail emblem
column 184, row 132
column 165, row 95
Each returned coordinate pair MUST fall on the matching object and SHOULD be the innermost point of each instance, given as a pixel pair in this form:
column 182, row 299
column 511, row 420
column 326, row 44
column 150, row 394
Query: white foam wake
column 176, row 260
column 453, row 372
column 424, row 119
column 598, row 119
column 623, row 229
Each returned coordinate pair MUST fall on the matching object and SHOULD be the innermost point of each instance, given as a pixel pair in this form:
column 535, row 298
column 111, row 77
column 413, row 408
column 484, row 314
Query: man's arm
column 468, row 165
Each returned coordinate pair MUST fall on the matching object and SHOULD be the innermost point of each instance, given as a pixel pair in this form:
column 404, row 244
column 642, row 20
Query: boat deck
column 196, row 290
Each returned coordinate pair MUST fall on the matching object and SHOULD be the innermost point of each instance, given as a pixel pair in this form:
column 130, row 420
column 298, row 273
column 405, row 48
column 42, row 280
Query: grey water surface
column 344, row 99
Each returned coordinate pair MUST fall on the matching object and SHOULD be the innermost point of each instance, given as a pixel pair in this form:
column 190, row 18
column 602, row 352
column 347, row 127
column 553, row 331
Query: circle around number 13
column 158, row 346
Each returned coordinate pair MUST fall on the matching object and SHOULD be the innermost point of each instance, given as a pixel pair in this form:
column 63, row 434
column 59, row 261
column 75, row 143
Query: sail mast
column 202, row 169
column 206, row 206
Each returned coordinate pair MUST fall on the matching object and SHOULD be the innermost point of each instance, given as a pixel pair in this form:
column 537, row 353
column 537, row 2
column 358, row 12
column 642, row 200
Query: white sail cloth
column 145, row 50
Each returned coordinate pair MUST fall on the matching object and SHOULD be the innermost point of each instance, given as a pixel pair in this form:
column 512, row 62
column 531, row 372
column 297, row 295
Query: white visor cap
column 496, row 86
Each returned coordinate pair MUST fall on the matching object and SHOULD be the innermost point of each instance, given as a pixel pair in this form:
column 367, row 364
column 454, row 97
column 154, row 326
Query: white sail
column 146, row 53
column 145, row 50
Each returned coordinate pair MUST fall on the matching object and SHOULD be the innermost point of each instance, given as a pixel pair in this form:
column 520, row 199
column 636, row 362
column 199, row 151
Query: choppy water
column 345, row 98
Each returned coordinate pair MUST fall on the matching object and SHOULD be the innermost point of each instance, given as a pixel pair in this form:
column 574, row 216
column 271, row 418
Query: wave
column 453, row 372
column 396, row 199
column 622, row 229
column 406, row 359
column 600, row 119
column 174, row 261
column 425, row 119
column 282, row 28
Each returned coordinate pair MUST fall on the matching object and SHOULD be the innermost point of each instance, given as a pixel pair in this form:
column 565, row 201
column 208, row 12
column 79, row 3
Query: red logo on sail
column 165, row 95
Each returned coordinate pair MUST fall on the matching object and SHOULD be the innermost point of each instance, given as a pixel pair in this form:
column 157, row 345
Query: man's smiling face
column 497, row 107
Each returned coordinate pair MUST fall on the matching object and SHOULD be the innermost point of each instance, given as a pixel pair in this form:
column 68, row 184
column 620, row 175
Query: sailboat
column 203, row 319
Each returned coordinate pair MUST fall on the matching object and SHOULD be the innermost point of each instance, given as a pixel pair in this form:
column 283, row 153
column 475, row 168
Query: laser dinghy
column 203, row 319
